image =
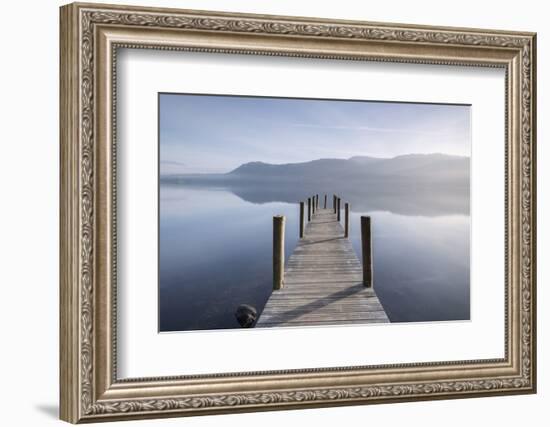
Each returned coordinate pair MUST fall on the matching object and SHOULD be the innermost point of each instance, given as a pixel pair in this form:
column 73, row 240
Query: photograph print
column 290, row 212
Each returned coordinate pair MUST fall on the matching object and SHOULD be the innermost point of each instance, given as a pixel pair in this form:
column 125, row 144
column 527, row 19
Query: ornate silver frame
column 90, row 36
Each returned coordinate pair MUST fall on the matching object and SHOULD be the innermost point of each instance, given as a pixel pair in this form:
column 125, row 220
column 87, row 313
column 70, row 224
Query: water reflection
column 396, row 196
column 215, row 248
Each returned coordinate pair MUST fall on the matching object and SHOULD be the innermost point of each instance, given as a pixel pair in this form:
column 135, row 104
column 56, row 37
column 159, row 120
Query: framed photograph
column 266, row 212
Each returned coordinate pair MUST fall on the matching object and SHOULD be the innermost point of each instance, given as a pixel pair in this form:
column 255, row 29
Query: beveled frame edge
column 88, row 390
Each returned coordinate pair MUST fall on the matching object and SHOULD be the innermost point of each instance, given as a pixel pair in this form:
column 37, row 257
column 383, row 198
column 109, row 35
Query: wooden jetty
column 323, row 283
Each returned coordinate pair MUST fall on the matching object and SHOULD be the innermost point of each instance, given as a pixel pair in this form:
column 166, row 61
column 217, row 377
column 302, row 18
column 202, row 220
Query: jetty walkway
column 323, row 282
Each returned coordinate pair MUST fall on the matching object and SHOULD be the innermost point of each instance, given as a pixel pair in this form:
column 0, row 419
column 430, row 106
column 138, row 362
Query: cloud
column 367, row 128
column 171, row 163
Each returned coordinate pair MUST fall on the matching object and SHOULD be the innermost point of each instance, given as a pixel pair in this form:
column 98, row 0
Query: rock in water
column 246, row 315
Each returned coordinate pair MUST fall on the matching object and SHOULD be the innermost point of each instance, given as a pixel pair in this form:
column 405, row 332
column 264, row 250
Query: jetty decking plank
column 323, row 282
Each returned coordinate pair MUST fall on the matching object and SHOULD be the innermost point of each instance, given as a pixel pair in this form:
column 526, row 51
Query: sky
column 216, row 134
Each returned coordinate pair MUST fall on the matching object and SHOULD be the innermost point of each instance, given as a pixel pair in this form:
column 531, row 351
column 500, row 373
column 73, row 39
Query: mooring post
column 301, row 219
column 346, row 220
column 366, row 245
column 325, row 205
column 338, row 209
column 278, row 251
column 309, row 209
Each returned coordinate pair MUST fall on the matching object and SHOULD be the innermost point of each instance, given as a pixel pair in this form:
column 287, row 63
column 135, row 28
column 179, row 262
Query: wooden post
column 312, row 204
column 317, row 202
column 366, row 245
column 334, row 202
column 301, row 219
column 309, row 208
column 278, row 251
column 325, row 205
column 346, row 220
column 338, row 208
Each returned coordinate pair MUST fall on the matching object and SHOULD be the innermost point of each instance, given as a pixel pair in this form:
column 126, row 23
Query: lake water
column 216, row 253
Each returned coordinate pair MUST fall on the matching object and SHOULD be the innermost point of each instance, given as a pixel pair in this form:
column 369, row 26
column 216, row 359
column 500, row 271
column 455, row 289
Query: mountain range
column 415, row 184
column 417, row 167
column 424, row 166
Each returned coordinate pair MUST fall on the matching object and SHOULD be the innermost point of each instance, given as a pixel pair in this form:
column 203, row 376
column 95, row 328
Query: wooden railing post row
column 366, row 246
column 346, row 219
column 301, row 219
column 278, row 251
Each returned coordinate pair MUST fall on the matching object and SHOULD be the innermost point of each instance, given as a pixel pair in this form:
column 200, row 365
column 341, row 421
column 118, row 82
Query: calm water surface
column 216, row 253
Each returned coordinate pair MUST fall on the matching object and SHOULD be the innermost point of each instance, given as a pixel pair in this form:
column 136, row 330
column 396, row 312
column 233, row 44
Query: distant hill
column 414, row 184
column 412, row 166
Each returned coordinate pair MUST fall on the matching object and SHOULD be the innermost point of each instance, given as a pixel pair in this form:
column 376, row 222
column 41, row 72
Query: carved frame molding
column 90, row 37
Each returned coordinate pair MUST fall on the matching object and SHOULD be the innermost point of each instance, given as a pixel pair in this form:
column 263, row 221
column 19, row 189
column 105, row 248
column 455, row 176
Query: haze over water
column 216, row 253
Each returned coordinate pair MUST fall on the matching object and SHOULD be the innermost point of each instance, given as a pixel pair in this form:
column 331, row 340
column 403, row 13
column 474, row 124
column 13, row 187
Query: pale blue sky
column 216, row 134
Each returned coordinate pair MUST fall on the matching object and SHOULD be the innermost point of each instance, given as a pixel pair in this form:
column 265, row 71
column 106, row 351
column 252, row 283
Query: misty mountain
column 415, row 184
column 438, row 167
